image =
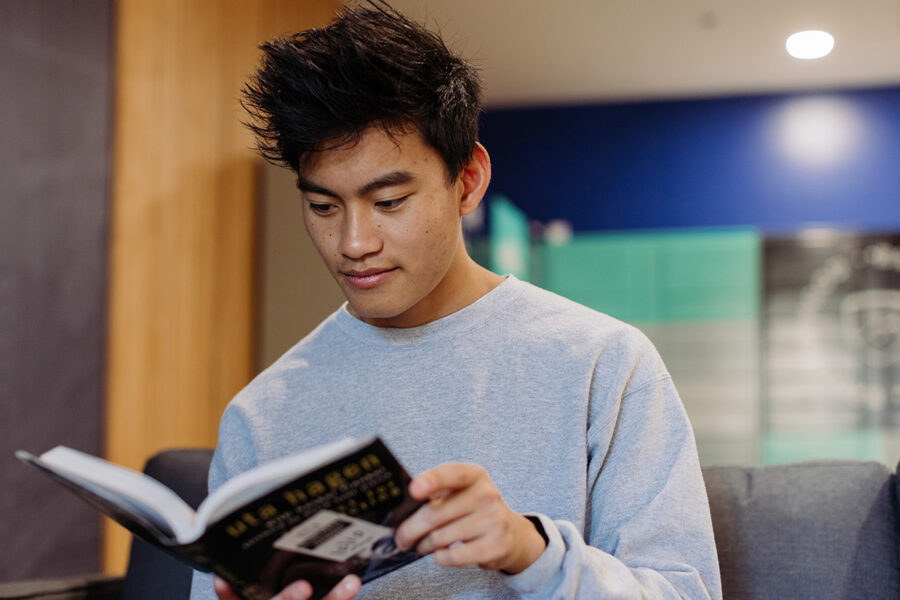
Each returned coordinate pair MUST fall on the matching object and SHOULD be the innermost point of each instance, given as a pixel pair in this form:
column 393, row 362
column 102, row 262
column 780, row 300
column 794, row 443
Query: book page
column 132, row 490
column 254, row 483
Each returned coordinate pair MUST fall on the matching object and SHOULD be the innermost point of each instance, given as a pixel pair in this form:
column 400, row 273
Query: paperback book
column 318, row 515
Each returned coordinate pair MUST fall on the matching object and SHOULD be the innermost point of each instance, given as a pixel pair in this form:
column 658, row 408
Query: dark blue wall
column 698, row 163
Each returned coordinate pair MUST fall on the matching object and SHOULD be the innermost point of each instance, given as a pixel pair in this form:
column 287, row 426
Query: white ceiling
column 575, row 51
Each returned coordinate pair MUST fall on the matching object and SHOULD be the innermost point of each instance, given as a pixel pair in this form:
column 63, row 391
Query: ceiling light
column 809, row 44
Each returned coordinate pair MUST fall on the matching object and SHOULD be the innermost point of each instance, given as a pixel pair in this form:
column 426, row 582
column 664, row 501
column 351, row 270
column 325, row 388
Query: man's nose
column 361, row 235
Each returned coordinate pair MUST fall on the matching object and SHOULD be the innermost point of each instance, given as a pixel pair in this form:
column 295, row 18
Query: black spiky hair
column 322, row 88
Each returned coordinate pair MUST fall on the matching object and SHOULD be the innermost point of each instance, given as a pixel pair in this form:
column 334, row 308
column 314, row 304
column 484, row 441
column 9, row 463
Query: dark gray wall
column 295, row 289
column 55, row 122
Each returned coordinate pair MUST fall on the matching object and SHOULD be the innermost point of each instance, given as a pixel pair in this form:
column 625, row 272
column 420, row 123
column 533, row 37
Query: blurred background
column 665, row 162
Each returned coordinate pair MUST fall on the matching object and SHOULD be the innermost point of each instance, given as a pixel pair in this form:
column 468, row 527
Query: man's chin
column 381, row 317
column 371, row 313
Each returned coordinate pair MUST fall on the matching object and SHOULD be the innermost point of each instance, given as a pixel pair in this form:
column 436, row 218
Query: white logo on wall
column 870, row 325
column 852, row 299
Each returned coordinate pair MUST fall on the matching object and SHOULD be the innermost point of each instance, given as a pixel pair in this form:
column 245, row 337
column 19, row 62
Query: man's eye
column 389, row 204
column 321, row 209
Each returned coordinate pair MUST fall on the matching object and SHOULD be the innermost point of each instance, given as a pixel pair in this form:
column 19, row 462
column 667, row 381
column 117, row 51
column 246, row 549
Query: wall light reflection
column 818, row 132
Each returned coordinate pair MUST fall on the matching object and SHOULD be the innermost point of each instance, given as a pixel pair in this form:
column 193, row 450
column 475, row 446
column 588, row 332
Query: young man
column 548, row 439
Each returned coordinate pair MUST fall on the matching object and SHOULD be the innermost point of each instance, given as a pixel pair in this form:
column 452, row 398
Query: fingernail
column 400, row 545
column 421, row 484
column 298, row 591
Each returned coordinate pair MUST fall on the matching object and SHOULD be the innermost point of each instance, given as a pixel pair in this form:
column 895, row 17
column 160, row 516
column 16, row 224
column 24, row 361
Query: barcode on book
column 325, row 534
column 334, row 536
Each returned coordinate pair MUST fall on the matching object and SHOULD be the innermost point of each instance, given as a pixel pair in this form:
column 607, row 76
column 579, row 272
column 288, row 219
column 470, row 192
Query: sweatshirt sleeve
column 648, row 532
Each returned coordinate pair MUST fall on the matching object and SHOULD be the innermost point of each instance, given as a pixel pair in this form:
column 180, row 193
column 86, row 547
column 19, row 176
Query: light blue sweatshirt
column 571, row 412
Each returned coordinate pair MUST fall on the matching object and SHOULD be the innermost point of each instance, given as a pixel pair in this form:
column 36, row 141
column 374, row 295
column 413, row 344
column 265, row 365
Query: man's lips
column 368, row 278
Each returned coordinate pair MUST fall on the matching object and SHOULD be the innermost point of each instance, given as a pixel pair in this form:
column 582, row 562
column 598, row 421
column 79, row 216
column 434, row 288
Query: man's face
column 387, row 224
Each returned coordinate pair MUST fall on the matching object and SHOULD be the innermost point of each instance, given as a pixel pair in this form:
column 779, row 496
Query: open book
column 318, row 515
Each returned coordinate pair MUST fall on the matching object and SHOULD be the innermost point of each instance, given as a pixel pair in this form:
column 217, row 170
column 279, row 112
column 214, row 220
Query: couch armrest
column 826, row 529
column 76, row 587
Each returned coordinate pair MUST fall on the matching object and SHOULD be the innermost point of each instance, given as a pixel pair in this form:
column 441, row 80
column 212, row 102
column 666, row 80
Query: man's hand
column 299, row 590
column 467, row 522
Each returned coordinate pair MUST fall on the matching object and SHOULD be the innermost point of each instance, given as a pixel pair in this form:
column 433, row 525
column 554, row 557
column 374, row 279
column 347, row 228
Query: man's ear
column 474, row 178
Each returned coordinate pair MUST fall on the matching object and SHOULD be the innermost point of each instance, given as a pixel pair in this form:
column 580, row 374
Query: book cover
column 332, row 520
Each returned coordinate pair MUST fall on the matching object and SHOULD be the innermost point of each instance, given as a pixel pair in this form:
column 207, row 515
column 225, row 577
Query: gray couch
column 818, row 530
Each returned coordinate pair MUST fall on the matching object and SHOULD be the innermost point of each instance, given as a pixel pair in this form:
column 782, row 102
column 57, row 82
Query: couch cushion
column 895, row 477
column 823, row 529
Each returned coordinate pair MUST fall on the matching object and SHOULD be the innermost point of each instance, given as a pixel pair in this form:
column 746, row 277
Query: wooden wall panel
column 181, row 330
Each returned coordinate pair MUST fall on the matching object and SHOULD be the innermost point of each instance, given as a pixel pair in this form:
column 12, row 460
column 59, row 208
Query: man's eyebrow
column 387, row 180
column 306, row 185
